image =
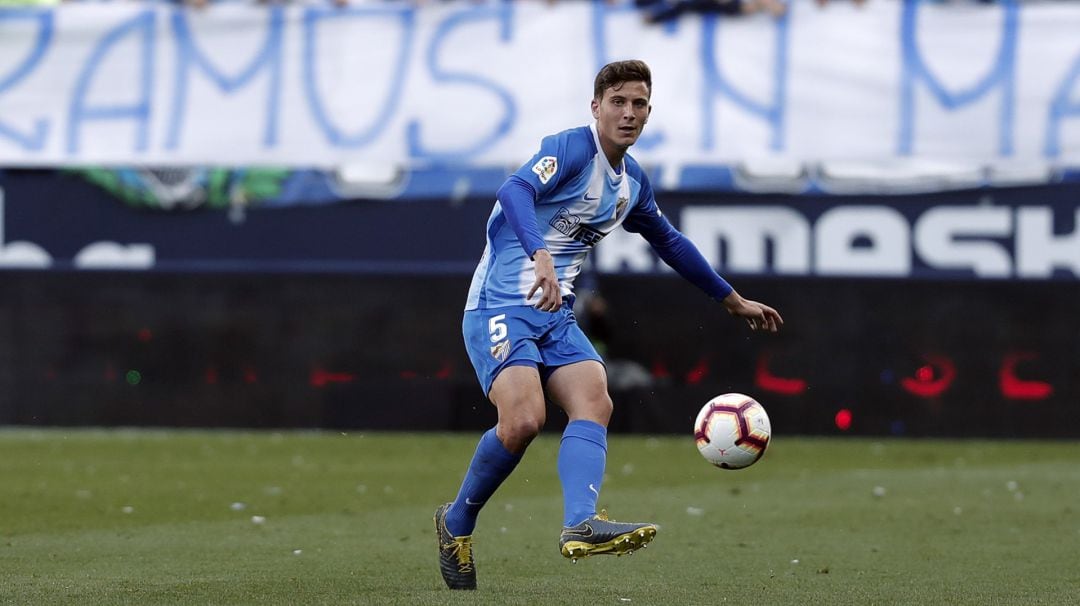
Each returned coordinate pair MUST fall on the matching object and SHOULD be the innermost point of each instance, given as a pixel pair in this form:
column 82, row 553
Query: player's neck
column 613, row 153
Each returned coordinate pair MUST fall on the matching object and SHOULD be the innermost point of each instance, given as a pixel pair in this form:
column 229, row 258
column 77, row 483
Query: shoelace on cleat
column 463, row 550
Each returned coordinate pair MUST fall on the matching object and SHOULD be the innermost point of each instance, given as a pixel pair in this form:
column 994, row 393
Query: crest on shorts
column 545, row 168
column 500, row 350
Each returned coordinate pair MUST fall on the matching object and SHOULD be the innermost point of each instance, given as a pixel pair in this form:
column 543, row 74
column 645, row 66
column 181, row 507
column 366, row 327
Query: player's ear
column 595, row 105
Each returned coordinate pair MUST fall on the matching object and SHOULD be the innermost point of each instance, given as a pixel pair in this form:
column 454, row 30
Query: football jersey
column 580, row 198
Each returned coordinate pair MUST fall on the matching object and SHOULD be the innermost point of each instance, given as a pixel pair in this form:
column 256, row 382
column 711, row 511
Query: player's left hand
column 758, row 315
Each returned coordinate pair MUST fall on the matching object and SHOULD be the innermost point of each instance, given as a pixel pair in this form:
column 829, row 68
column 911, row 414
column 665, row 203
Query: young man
column 521, row 334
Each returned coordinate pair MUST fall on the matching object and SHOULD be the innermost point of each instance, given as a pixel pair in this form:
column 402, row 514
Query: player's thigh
column 580, row 388
column 519, row 397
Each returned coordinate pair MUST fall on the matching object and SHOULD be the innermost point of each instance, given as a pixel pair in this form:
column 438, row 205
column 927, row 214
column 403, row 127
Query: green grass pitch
column 198, row 517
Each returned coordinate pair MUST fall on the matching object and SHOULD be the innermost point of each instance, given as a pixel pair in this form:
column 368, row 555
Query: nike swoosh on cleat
column 469, row 501
column 588, row 532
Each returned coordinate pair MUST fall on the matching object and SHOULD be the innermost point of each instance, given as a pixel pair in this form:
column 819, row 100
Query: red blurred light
column 925, row 373
column 322, row 378
column 660, row 370
column 767, row 381
column 931, row 379
column 1015, row 388
column 145, row 334
column 843, row 419
column 444, row 371
column 697, row 373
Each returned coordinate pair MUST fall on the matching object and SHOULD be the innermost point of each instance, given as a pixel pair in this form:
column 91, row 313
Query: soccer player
column 520, row 331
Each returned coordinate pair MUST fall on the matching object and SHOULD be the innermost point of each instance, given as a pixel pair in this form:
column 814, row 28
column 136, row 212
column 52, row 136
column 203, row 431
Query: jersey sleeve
column 561, row 157
column 672, row 246
column 518, row 199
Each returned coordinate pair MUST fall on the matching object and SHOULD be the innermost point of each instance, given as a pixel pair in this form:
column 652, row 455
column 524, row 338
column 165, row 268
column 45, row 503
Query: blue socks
column 582, row 457
column 491, row 464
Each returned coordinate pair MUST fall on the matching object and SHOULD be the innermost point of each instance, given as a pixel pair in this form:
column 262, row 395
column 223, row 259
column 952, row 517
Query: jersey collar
column 612, row 174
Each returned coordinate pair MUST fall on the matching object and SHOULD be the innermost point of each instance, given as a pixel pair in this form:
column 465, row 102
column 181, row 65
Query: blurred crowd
column 655, row 11
column 667, row 10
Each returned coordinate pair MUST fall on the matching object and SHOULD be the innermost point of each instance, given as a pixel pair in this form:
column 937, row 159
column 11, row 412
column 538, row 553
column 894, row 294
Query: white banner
column 480, row 84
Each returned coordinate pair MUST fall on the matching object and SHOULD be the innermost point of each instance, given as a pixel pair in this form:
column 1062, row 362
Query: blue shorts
column 524, row 336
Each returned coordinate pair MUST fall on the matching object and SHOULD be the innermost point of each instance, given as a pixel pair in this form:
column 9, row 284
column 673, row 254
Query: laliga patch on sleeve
column 545, row 168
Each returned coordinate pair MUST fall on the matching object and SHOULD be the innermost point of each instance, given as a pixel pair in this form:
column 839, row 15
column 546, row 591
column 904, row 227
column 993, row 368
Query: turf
column 148, row 517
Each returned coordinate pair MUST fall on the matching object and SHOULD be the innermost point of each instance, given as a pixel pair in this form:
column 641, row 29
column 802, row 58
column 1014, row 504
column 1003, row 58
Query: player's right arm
column 546, row 282
column 518, row 199
column 557, row 161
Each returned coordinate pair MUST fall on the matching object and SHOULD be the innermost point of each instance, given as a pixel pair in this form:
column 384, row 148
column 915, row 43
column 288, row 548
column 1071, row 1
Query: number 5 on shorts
column 497, row 328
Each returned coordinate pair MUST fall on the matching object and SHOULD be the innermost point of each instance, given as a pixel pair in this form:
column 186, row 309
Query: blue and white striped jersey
column 580, row 198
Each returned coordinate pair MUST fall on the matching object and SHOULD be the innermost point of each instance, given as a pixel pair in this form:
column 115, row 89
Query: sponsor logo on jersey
column 570, row 225
column 587, row 235
column 500, row 350
column 545, row 168
column 564, row 222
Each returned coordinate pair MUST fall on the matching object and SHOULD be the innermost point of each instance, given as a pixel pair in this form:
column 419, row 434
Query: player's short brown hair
column 614, row 74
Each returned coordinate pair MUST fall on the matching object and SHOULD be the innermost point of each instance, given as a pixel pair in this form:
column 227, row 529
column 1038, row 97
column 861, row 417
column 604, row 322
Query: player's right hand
column 547, row 283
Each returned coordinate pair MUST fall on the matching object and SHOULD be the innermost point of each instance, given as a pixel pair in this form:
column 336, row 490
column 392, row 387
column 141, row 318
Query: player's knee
column 602, row 408
column 519, row 431
column 527, row 427
column 597, row 407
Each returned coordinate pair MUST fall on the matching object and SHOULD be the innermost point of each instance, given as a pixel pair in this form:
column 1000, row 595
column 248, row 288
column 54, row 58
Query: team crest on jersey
column 620, row 206
column 545, row 168
column 569, row 224
column 500, row 350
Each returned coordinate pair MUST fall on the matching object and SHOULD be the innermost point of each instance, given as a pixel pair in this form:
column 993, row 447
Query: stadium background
column 281, row 295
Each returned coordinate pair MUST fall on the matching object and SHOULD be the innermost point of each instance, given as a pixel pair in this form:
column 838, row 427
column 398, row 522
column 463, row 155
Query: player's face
column 621, row 114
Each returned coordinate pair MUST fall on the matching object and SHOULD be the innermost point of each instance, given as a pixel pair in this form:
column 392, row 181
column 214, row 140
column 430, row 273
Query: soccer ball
column 732, row 431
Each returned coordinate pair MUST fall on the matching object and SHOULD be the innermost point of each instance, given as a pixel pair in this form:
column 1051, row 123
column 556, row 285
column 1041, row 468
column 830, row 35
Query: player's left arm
column 679, row 252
